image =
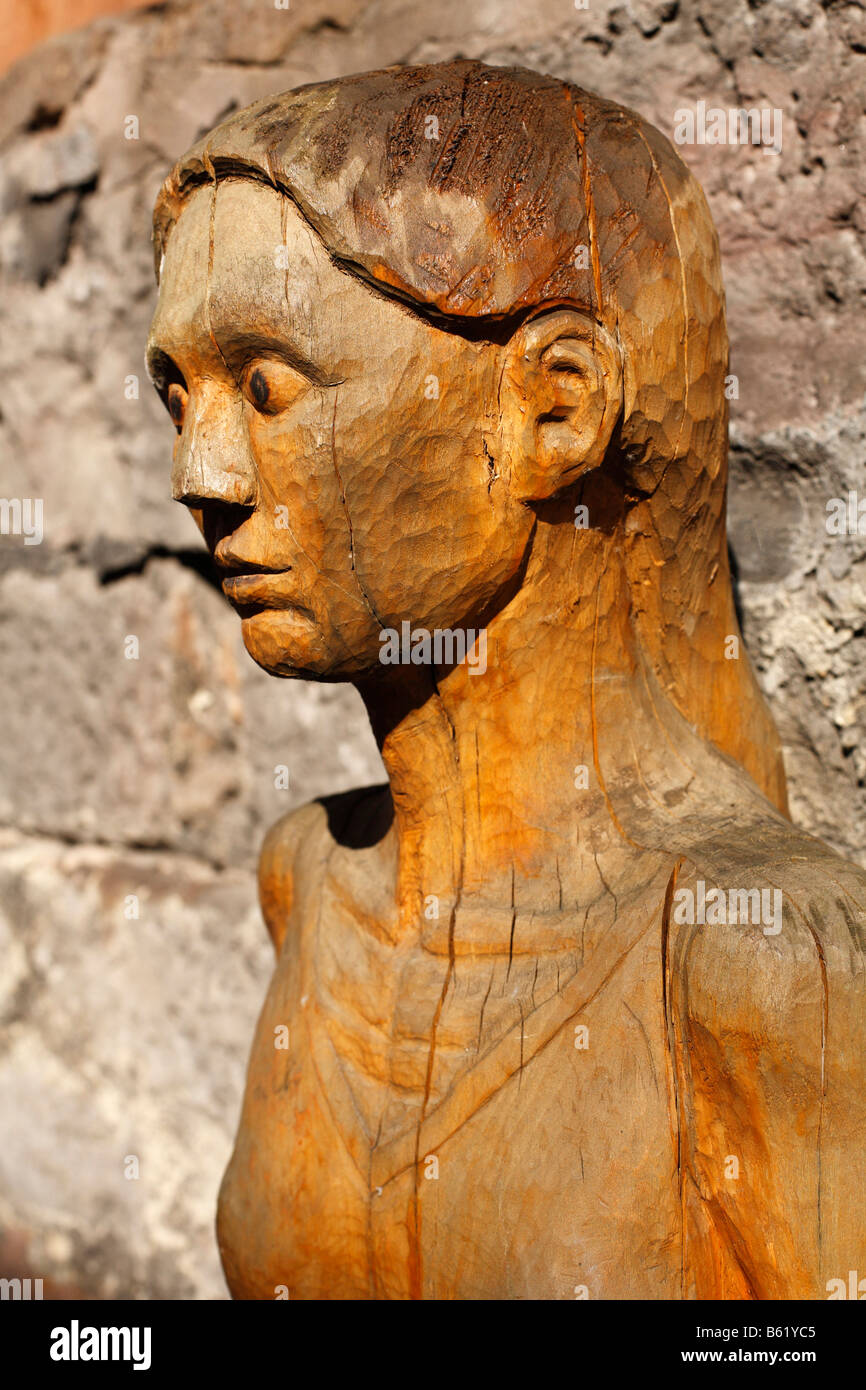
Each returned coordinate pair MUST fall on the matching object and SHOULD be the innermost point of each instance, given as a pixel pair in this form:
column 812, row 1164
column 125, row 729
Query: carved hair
column 480, row 194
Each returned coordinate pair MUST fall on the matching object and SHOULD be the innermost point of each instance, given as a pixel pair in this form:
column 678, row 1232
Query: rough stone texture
column 155, row 776
column 122, row 1039
column 28, row 22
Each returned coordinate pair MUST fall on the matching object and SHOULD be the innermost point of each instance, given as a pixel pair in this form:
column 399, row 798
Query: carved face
column 334, row 448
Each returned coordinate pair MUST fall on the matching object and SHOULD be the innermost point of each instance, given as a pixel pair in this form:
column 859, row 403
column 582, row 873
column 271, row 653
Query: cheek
column 300, row 493
column 302, row 521
column 433, row 535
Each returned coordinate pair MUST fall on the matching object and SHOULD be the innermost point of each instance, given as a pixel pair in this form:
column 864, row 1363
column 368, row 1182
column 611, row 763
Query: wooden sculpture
column 569, row 1008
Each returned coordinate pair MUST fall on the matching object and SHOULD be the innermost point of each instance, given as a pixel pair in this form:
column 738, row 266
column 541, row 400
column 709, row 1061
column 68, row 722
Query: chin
column 287, row 643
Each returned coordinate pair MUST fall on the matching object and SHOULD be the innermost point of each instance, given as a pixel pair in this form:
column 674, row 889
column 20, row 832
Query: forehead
column 242, row 259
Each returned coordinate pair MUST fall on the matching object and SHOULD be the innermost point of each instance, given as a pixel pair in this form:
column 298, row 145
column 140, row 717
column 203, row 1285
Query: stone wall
column 152, row 779
column 24, row 23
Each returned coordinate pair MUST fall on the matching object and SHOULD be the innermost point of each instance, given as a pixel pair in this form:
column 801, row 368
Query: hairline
column 494, row 328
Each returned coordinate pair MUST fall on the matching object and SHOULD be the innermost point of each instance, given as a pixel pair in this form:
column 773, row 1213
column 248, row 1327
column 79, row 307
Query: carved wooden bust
column 569, row 1008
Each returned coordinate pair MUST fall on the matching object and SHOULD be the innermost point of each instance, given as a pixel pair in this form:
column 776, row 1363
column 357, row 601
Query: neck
column 499, row 796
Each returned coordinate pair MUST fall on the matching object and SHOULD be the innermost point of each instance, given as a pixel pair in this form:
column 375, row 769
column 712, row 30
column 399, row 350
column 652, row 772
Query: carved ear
column 560, row 397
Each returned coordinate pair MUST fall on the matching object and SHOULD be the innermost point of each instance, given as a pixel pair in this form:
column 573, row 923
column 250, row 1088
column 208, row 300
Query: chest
column 425, row 1125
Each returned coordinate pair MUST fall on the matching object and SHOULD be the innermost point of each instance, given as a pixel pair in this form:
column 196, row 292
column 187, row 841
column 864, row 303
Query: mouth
column 255, row 593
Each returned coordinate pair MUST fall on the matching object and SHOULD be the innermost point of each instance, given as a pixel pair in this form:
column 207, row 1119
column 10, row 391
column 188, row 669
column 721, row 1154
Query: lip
column 265, row 590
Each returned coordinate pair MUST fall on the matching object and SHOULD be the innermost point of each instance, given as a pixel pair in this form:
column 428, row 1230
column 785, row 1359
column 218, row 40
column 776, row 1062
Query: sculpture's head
column 405, row 315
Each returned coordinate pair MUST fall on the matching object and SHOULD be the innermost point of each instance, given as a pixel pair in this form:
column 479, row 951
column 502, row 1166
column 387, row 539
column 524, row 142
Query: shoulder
column 298, row 845
column 767, row 1028
column 767, row 928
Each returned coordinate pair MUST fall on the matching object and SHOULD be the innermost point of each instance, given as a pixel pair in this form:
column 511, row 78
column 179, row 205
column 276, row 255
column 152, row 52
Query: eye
column 176, row 399
column 272, row 386
column 259, row 389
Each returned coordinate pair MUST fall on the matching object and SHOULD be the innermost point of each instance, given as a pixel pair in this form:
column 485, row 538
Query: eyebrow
column 238, row 347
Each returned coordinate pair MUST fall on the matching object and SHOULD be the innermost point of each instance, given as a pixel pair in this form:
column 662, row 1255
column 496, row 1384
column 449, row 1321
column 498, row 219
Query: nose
column 213, row 461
